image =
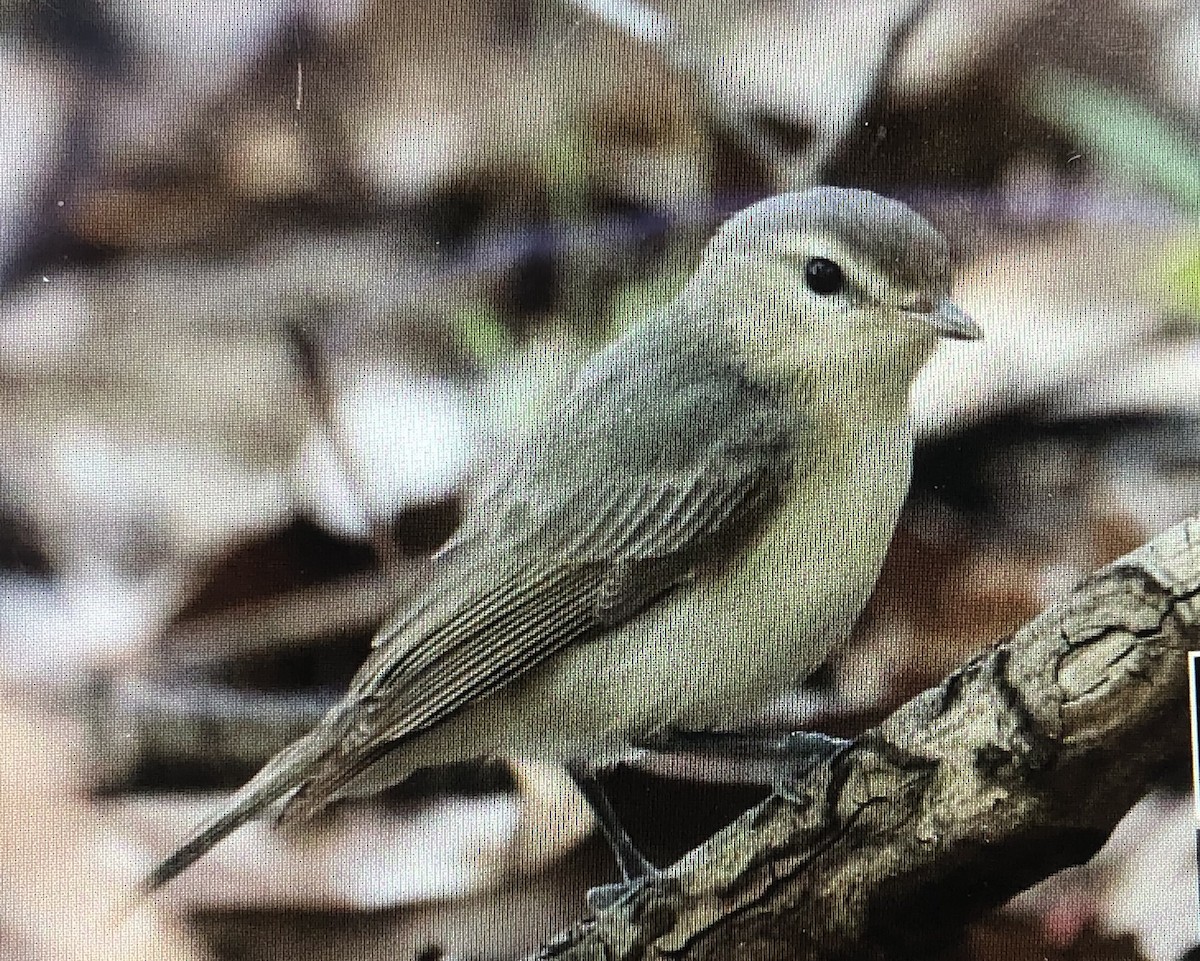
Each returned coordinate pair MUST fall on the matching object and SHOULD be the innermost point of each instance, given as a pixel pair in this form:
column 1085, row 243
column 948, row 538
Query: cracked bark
column 1018, row 765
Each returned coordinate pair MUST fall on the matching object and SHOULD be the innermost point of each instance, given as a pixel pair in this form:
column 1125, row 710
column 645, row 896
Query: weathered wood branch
column 1018, row 765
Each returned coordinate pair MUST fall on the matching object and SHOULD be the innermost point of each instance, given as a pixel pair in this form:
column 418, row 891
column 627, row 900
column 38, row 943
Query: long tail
column 285, row 772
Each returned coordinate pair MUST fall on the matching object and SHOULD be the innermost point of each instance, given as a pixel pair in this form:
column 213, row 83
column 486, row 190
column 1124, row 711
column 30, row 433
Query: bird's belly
column 718, row 648
column 723, row 647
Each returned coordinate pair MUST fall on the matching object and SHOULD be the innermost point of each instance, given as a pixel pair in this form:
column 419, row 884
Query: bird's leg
column 634, row 867
column 790, row 755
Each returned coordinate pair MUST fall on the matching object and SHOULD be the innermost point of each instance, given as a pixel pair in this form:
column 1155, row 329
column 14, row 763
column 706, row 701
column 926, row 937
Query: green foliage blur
column 1128, row 140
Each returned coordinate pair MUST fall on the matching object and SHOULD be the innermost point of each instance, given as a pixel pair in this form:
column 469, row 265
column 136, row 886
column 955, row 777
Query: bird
column 687, row 533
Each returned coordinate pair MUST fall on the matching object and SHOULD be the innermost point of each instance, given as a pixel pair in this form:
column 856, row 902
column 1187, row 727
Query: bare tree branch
column 137, row 724
column 315, row 382
column 653, row 28
column 787, row 169
column 817, row 156
column 1018, row 765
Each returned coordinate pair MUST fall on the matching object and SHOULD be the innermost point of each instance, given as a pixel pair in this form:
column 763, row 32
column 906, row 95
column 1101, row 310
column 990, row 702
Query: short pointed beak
column 949, row 320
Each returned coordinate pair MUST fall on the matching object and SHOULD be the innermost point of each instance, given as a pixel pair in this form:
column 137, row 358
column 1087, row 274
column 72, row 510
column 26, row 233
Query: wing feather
column 574, row 540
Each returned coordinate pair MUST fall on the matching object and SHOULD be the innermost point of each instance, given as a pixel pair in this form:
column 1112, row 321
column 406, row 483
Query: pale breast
column 760, row 627
column 719, row 648
column 725, row 645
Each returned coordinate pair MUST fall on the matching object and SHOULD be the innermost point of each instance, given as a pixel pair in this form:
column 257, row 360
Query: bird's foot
column 788, row 756
column 605, row 896
column 799, row 752
column 636, row 870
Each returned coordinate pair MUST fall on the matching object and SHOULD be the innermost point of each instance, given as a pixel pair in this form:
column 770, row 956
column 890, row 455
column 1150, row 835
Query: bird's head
column 846, row 280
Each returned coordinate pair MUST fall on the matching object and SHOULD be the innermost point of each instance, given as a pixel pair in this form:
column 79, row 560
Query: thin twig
column 788, row 170
column 819, row 154
column 317, row 388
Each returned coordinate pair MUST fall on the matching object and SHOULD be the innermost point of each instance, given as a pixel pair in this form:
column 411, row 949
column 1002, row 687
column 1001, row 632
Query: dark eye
column 823, row 276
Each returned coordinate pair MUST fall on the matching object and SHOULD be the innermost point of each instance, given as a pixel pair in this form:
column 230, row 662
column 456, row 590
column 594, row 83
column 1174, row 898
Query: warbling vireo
column 682, row 539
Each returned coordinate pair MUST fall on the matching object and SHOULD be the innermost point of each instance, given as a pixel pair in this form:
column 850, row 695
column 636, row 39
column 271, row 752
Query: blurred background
column 279, row 277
